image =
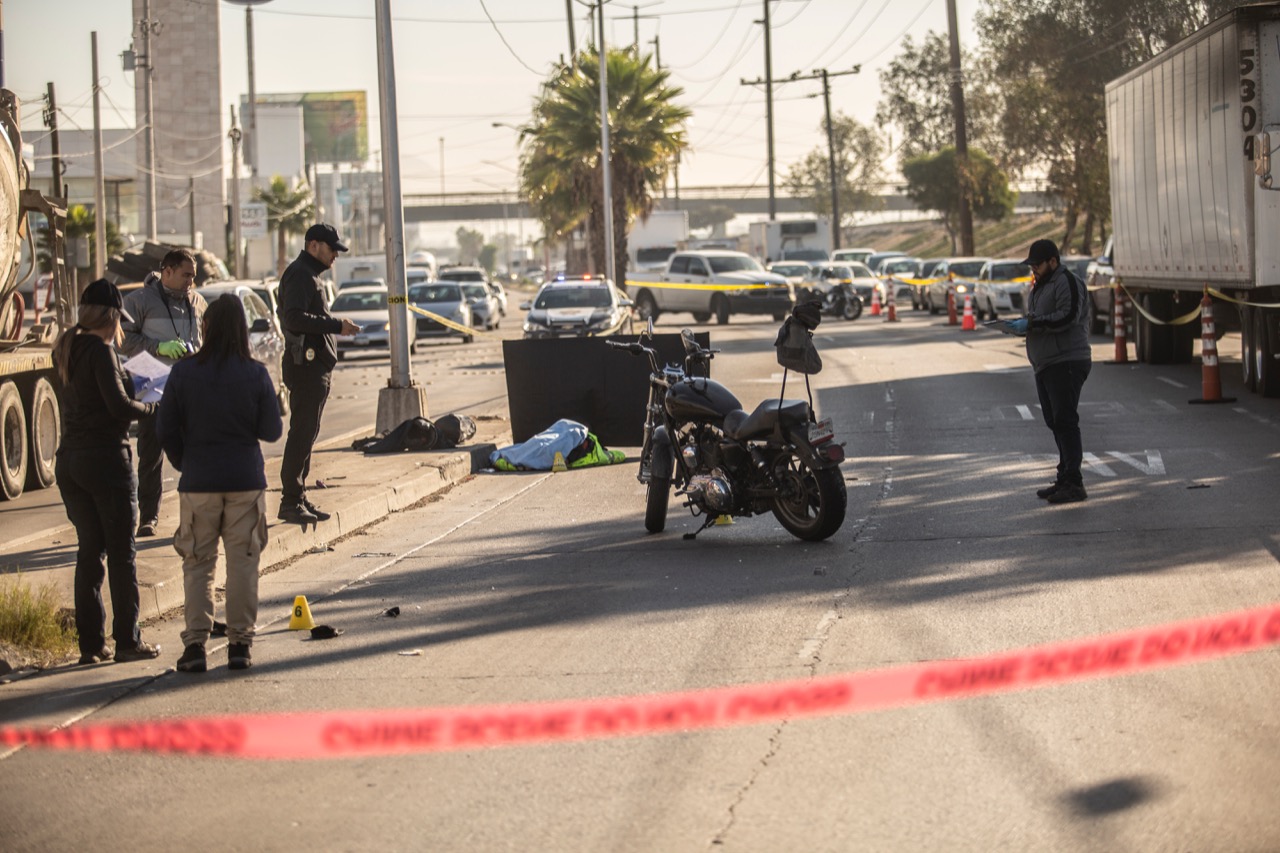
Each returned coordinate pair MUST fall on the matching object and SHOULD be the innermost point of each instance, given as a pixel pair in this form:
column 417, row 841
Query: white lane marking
column 1172, row 382
column 1101, row 468
column 1154, row 466
column 1025, row 411
column 811, row 645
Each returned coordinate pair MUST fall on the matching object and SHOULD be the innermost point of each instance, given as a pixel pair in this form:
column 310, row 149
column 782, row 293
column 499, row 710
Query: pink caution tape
column 339, row 734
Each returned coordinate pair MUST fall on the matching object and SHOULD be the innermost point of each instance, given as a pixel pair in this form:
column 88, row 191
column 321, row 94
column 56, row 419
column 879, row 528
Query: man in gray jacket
column 166, row 313
column 1057, row 332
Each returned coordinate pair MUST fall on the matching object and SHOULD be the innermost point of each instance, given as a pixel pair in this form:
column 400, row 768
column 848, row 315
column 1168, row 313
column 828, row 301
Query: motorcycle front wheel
column 810, row 504
column 655, row 508
column 852, row 308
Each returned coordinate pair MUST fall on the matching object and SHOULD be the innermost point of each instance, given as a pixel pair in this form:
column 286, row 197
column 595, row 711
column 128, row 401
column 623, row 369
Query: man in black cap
column 309, row 331
column 1057, row 332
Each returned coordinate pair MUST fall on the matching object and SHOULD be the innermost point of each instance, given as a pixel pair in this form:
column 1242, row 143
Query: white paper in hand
column 146, row 366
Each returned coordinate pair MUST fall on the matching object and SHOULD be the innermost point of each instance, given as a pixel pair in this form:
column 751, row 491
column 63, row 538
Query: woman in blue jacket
column 217, row 406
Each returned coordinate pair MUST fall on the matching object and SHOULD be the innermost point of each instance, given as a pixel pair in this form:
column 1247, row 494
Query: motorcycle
column 700, row 442
column 839, row 300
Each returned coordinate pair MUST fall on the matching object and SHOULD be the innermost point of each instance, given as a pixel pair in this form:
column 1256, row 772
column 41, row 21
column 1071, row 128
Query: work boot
column 1070, row 493
column 1048, row 491
column 320, row 514
column 238, row 656
column 193, row 659
column 147, row 527
column 142, row 651
column 296, row 514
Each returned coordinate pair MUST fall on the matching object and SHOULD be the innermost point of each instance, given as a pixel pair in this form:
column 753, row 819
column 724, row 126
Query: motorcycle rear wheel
column 655, row 507
column 810, row 504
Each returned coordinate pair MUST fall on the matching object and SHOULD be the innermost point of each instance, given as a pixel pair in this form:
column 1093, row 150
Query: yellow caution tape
column 673, row 285
column 1177, row 321
column 1220, row 295
column 448, row 323
column 917, row 282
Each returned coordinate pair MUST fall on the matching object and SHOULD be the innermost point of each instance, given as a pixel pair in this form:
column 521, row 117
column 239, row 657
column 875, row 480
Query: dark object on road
column 421, row 434
column 391, row 611
column 325, row 632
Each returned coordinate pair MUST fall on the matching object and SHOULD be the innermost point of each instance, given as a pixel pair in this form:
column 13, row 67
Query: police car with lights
column 577, row 307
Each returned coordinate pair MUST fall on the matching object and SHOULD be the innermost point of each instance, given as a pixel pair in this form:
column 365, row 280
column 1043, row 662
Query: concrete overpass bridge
column 742, row 200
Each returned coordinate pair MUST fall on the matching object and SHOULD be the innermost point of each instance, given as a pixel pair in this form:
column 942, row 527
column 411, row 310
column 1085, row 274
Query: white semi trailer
column 1189, row 134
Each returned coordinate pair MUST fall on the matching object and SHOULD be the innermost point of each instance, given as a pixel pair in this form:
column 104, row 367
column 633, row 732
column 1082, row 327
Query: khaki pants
column 239, row 519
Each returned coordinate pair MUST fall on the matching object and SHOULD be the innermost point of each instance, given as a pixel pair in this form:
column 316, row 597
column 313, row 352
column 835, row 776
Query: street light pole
column 609, row 261
column 401, row 400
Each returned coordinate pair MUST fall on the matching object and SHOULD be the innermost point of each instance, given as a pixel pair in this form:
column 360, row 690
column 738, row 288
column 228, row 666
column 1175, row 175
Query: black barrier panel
column 584, row 380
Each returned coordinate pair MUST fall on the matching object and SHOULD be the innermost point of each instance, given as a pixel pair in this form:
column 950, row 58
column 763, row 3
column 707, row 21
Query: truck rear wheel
column 1248, row 349
column 720, row 306
column 13, row 442
column 1266, row 340
column 44, row 429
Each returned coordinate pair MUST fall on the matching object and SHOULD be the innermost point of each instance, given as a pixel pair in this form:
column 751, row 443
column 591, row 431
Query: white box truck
column 654, row 240
column 791, row 240
column 1186, row 131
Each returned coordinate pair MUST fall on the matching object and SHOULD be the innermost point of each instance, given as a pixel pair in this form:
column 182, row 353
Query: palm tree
column 80, row 222
column 290, row 210
column 561, row 171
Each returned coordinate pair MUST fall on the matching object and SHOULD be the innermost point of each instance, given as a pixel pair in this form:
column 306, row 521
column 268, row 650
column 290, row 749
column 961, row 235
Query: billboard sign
column 253, row 220
column 335, row 124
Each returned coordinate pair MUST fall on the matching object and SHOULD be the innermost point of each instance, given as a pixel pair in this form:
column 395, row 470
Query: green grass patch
column 32, row 619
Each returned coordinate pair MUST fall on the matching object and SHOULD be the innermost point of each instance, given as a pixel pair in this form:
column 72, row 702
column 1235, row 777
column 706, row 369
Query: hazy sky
column 458, row 72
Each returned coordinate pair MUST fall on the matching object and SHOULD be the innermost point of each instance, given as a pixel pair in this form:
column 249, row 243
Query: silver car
column 445, row 299
column 1000, row 288
column 266, row 341
column 484, row 308
column 367, row 308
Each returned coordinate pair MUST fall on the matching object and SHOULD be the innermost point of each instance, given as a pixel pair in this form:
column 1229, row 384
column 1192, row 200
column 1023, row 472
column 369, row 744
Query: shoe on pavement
column 193, row 659
column 238, row 656
column 142, row 651
column 1068, row 494
column 147, row 527
column 1048, row 491
column 219, row 629
column 296, row 514
column 320, row 514
column 102, row 655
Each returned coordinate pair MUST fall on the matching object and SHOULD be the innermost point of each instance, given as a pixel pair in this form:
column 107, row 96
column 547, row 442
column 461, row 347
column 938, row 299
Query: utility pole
column 51, row 122
column 191, row 208
column 253, row 97
column 237, row 265
column 832, row 171
column 610, row 263
column 962, row 143
column 635, row 29
column 768, row 105
column 149, row 138
column 99, row 187
column 657, row 53
column 573, row 50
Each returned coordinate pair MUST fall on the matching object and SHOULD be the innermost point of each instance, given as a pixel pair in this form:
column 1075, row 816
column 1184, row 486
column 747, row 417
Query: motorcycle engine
column 713, row 490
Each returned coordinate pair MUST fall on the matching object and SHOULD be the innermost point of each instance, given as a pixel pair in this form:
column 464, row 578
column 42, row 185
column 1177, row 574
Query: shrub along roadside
column 34, row 628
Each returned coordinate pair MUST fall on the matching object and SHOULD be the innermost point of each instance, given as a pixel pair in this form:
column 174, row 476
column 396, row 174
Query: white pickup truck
column 710, row 283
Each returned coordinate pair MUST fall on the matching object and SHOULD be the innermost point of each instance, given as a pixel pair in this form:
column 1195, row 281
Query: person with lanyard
column 166, row 314
column 309, row 331
column 94, row 469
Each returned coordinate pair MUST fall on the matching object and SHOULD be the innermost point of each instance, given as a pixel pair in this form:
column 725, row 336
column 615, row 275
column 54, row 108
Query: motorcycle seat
column 741, row 426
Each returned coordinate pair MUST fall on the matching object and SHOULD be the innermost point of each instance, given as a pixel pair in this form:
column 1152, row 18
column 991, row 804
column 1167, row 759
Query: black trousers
column 150, row 470
column 100, row 491
column 308, row 390
column 1058, row 387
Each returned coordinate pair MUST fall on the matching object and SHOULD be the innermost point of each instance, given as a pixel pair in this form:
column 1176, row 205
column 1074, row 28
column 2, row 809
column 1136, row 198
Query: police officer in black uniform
column 309, row 331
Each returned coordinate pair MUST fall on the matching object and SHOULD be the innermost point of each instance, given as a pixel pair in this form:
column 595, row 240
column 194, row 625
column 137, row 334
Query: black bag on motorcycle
column 795, row 339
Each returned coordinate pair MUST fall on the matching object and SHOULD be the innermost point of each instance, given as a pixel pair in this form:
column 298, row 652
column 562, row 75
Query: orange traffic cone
column 952, row 319
column 875, row 302
column 968, row 325
column 1117, row 317
column 891, row 316
column 1210, row 374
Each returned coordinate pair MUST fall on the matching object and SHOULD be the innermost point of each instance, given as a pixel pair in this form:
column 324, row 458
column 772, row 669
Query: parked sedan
column 484, row 308
column 999, row 288
column 796, row 272
column 890, row 271
column 367, row 308
column 445, row 299
column 266, row 341
column 953, row 276
column 577, row 308
column 924, row 271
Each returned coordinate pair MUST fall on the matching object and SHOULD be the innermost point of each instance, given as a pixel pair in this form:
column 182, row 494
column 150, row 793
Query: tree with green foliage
column 470, row 242
column 933, row 184
column 488, row 257
column 561, row 169
column 290, row 210
column 860, row 151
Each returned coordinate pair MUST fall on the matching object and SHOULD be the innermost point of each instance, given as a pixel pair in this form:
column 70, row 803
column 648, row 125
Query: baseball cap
column 1041, row 251
column 103, row 292
column 325, row 233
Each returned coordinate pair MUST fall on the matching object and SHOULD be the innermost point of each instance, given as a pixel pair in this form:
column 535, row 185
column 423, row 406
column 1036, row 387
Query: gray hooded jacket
column 159, row 317
column 1058, row 321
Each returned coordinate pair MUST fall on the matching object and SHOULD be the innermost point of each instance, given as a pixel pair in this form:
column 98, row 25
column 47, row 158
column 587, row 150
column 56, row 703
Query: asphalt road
column 530, row 587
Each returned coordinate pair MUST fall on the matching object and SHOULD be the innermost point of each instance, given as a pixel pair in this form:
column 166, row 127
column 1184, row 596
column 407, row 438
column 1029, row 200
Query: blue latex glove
column 172, row 349
column 1018, row 326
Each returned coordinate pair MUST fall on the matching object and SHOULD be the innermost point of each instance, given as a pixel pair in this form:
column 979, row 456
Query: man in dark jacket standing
column 309, row 331
column 1057, row 331
column 166, row 314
